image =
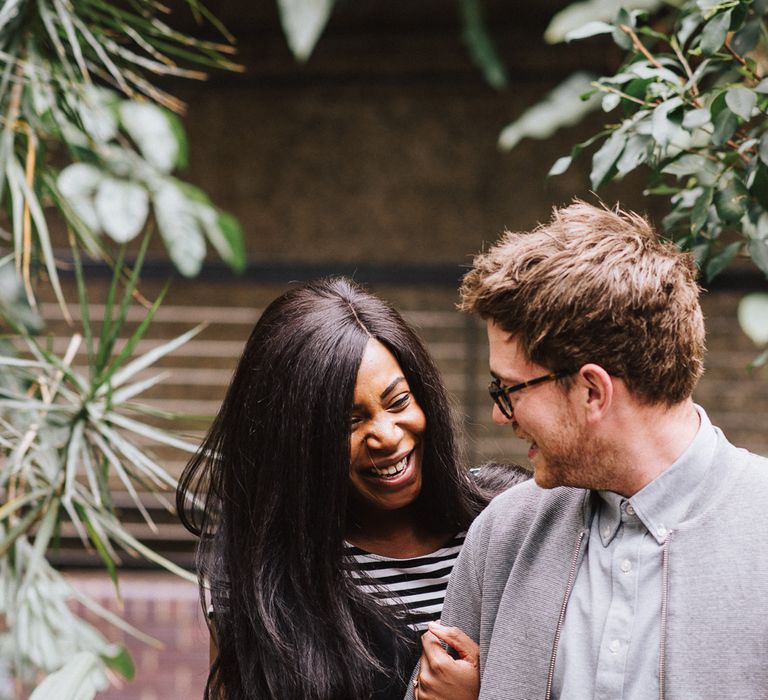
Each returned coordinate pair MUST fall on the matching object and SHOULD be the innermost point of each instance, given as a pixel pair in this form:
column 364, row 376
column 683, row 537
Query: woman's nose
column 385, row 434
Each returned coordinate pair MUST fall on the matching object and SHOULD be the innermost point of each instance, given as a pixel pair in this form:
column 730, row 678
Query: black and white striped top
column 415, row 585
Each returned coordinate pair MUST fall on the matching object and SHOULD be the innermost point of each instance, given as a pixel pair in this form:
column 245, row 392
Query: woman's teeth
column 392, row 470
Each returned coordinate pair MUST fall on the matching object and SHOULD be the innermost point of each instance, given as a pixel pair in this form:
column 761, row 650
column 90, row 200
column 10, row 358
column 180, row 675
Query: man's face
column 546, row 416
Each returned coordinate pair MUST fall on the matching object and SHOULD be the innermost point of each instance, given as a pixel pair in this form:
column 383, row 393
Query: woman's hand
column 441, row 677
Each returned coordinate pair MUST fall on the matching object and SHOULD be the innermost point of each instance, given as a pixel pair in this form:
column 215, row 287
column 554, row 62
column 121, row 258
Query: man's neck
column 652, row 438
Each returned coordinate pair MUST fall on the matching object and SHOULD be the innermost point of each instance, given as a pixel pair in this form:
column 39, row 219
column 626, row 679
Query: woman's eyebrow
column 391, row 386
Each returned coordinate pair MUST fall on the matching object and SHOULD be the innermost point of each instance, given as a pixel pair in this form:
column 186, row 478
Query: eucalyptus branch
column 639, row 44
column 686, row 67
column 624, row 96
column 734, row 55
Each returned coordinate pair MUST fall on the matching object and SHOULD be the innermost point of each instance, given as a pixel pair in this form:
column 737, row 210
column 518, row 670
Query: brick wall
column 167, row 608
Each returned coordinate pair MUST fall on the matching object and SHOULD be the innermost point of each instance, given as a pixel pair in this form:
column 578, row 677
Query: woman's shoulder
column 494, row 478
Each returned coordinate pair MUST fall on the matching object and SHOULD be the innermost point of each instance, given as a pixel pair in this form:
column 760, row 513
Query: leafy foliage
column 690, row 105
column 303, row 23
column 63, row 433
column 74, row 86
column 89, row 145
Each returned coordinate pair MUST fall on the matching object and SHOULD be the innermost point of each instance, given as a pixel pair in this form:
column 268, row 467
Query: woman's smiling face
column 387, row 429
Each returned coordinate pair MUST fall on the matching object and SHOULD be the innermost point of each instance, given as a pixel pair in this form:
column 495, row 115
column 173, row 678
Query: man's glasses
column 500, row 394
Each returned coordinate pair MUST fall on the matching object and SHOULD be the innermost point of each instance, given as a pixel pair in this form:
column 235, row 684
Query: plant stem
column 639, row 45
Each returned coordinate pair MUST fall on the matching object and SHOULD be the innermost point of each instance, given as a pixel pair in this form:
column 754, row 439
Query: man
column 636, row 565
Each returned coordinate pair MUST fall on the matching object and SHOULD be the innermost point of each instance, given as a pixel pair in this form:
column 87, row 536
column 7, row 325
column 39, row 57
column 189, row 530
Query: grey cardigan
column 510, row 586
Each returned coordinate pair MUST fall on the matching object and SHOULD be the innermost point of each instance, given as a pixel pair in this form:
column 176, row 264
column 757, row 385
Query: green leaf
column 605, row 158
column 128, row 540
column 696, row 118
column 638, row 87
column 762, row 86
column 560, row 166
column 700, row 253
column 122, row 207
column 480, row 44
column 663, row 189
column 78, row 183
column 179, row 227
column 82, row 297
column 589, row 29
column 152, row 131
column 662, row 128
column 700, row 210
column 635, row 153
column 80, row 678
column 620, row 37
column 718, row 104
column 759, row 186
column 714, row 33
column 20, row 501
column 577, row 14
column 763, row 149
column 688, row 25
column 610, row 101
column 105, row 347
column 233, row 252
column 109, row 375
column 21, row 527
column 180, row 134
column 122, row 663
column 687, row 164
column 145, row 360
column 746, row 38
column 741, row 101
column 730, row 200
column 116, row 326
column 303, row 22
column 563, row 106
column 759, row 361
column 719, row 262
column 103, row 553
column 753, row 317
column 16, row 175
column 758, row 251
column 725, row 124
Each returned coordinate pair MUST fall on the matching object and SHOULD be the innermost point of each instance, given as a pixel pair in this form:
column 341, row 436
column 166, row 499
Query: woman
column 331, row 459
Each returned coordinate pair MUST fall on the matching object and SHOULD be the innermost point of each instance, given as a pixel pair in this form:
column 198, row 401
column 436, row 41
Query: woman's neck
column 393, row 534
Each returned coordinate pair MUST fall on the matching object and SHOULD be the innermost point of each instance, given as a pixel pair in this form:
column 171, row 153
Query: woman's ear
column 598, row 390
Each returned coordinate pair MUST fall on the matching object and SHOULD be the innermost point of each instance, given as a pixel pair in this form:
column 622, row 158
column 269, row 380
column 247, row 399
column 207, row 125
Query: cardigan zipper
column 664, row 612
column 561, row 619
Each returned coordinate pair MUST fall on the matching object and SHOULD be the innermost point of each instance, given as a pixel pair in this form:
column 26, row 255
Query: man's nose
column 499, row 418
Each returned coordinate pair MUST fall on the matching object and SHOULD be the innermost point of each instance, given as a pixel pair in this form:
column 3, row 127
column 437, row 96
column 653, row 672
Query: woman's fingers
column 466, row 647
column 442, row 677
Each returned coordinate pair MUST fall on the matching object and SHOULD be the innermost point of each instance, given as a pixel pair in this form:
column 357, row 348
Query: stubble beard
column 577, row 460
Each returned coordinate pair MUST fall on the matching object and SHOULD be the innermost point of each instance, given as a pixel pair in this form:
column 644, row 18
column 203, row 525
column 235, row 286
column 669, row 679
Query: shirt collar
column 667, row 500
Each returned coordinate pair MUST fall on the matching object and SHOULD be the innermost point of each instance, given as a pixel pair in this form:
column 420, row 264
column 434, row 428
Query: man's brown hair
column 595, row 285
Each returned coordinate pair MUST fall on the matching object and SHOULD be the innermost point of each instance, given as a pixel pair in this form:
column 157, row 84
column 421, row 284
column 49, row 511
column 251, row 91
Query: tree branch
column 639, row 44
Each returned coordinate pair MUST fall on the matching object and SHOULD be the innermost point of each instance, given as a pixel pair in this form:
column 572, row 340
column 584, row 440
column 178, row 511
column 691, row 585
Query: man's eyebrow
column 391, row 386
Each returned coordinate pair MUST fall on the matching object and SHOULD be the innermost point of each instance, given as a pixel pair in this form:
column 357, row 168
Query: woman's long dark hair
column 268, row 494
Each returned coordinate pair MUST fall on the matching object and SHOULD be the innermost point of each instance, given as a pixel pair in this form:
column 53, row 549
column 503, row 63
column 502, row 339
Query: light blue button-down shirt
column 609, row 648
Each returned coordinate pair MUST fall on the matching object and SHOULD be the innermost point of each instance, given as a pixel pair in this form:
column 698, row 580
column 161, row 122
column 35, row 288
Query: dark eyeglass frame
column 500, row 394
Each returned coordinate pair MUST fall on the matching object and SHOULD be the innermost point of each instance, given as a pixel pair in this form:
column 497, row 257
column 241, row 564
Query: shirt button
column 626, row 566
column 630, row 509
column 614, row 646
column 606, row 532
column 661, row 531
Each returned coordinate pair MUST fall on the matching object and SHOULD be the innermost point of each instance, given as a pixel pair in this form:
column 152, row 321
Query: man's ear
column 597, row 392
